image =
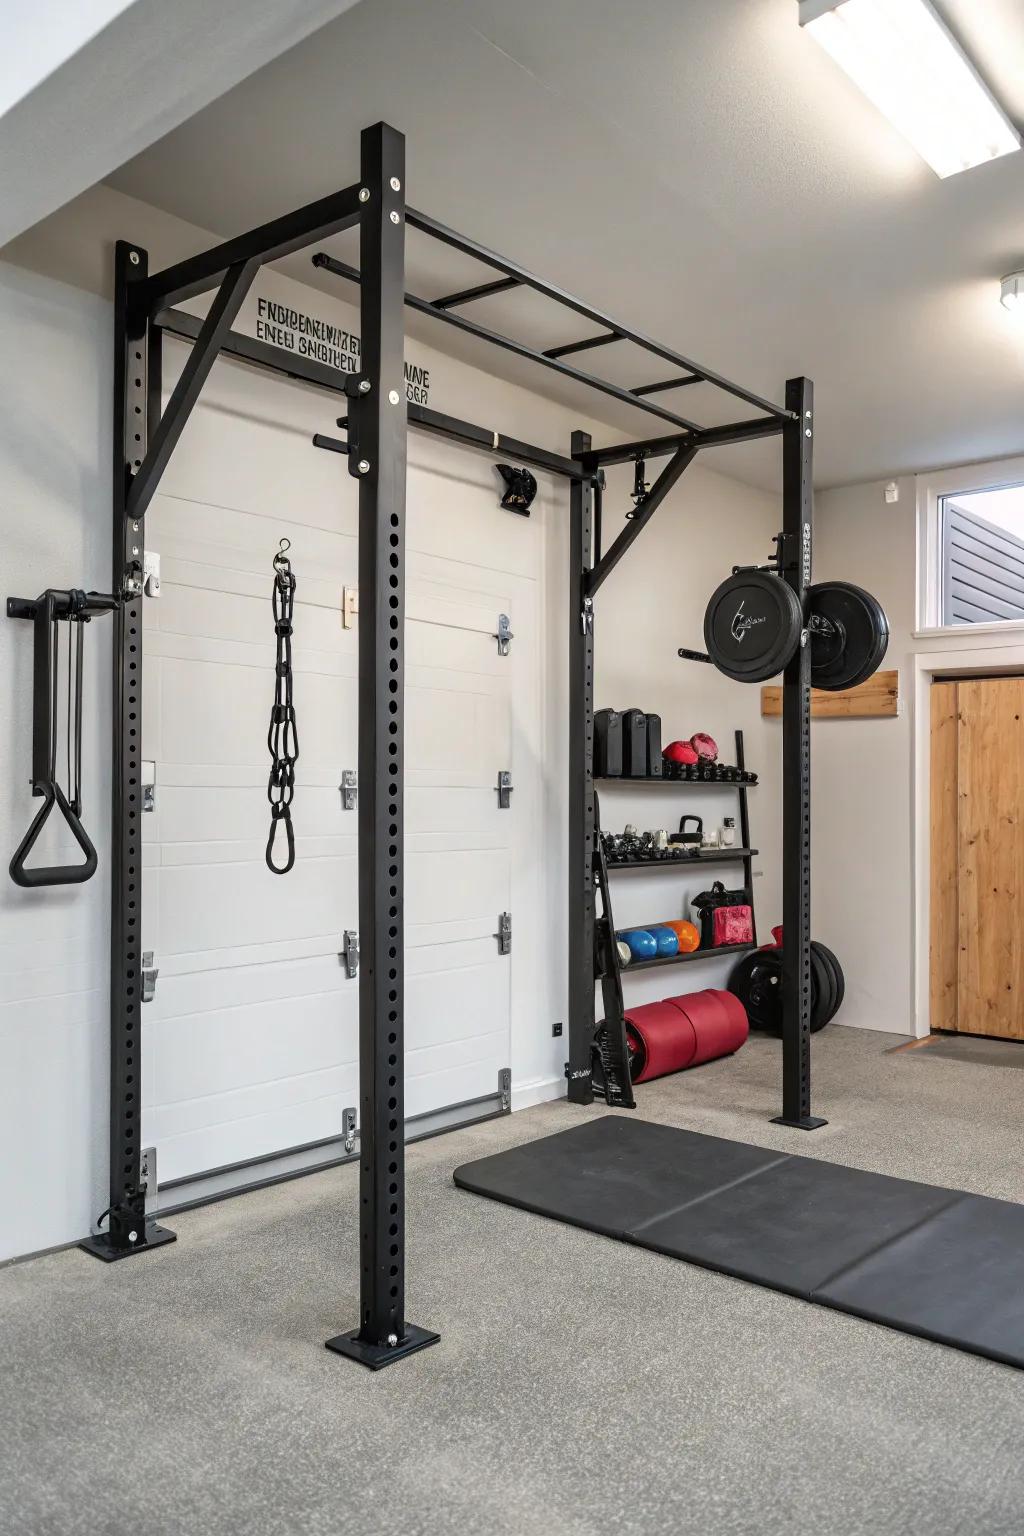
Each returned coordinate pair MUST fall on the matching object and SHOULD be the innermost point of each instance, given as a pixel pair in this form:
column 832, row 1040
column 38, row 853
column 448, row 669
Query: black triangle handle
column 56, row 874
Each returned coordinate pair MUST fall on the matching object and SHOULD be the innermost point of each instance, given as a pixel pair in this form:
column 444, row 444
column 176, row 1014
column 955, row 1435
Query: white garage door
column 251, row 1038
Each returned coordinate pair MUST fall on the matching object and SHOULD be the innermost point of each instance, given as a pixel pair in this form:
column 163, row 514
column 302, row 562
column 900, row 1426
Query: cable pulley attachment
column 282, row 735
column 47, row 612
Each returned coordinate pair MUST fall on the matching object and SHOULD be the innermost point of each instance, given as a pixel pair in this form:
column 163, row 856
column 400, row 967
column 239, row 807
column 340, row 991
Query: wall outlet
column 556, row 1029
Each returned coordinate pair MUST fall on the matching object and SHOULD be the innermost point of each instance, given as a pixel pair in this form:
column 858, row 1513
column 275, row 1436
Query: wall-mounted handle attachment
column 53, row 874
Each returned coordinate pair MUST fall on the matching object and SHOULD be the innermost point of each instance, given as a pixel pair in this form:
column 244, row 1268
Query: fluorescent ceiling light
column 909, row 65
column 1011, row 292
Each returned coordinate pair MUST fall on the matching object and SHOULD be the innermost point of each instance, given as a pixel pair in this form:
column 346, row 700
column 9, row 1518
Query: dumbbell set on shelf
column 690, row 842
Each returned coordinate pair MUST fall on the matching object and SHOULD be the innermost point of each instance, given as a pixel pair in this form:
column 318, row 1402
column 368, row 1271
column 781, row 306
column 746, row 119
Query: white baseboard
column 541, row 1091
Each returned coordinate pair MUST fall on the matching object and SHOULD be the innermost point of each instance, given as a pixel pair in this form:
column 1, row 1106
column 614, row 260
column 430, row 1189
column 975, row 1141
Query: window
column 970, row 547
column 982, row 555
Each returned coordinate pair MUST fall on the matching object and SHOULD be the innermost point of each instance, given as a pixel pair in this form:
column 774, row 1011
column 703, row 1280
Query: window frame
column 994, row 475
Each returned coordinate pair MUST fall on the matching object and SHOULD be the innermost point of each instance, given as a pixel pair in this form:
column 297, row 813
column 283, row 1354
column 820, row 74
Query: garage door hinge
column 504, row 933
column 150, row 972
column 349, row 787
column 348, row 1129
column 505, row 1089
column 350, row 952
column 504, row 787
column 147, row 779
column 147, row 1176
column 503, row 633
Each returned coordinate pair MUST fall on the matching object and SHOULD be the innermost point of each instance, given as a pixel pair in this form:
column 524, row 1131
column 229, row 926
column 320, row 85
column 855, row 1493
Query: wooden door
column 977, row 755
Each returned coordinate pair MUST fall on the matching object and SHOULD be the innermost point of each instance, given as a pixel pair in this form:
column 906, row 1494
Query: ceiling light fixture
column 1011, row 292
column 907, row 62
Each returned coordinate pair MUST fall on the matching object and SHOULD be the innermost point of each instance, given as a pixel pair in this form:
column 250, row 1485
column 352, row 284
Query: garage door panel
column 217, row 817
column 454, row 1074
column 218, row 1051
column 455, row 1006
column 214, row 906
column 445, row 887
column 229, row 539
column 446, row 808
column 289, row 982
column 219, row 714
column 248, row 618
column 222, row 458
column 465, row 486
column 447, row 732
column 258, row 1134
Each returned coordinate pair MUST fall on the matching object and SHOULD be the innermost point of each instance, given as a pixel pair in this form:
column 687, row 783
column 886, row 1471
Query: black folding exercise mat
column 930, row 1261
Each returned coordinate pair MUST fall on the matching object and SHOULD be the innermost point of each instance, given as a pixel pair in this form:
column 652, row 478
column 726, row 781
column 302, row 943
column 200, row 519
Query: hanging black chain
column 283, row 735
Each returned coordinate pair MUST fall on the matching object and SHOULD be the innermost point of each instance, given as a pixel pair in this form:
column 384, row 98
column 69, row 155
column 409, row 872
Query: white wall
column 87, row 84
column 53, row 450
column 869, row 788
column 54, row 506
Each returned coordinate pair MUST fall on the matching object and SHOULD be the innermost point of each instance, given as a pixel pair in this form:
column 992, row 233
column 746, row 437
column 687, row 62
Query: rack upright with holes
column 376, row 417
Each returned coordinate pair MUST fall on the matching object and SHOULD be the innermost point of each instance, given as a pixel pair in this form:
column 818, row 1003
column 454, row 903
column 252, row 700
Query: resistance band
column 283, row 735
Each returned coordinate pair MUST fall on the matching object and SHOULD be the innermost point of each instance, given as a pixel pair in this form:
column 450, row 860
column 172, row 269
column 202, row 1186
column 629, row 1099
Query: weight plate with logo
column 855, row 640
column 752, row 626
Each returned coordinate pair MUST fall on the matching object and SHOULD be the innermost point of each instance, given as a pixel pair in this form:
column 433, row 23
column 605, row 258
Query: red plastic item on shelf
column 680, row 752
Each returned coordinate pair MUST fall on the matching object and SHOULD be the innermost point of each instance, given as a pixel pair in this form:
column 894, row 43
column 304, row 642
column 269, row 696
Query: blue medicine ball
column 666, row 940
column 642, row 945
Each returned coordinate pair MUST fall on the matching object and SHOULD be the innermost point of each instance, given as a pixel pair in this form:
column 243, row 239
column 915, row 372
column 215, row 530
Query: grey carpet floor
column 581, row 1387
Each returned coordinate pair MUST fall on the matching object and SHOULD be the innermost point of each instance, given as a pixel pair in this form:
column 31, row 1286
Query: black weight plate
column 840, row 979
column 757, row 981
column 855, row 651
column 823, row 990
column 752, row 626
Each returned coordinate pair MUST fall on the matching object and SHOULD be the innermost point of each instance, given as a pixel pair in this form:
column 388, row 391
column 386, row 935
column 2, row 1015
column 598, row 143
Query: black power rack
column 611, row 1051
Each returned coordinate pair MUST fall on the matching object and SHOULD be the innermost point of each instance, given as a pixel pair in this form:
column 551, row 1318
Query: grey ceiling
column 697, row 167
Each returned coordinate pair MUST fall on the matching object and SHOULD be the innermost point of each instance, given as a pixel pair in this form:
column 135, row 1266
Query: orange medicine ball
column 687, row 934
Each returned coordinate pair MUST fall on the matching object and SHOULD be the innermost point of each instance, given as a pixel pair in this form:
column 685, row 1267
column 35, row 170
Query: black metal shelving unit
column 612, row 1066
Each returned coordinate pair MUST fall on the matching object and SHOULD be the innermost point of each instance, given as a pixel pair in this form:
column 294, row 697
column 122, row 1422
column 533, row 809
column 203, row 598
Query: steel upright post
column 377, row 458
column 136, row 410
column 579, row 1068
column 798, row 532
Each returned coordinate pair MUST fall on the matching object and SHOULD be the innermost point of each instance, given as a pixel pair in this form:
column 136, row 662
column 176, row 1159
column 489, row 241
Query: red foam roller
column 735, row 1009
column 667, row 1039
column 719, row 1028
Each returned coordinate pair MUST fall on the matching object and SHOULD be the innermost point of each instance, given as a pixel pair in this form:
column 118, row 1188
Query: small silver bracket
column 504, row 787
column 148, row 780
column 350, row 952
column 349, row 788
column 587, row 616
column 505, row 1089
column 150, row 972
column 348, row 1129
column 504, row 634
column 147, row 1176
column 151, row 573
column 504, row 933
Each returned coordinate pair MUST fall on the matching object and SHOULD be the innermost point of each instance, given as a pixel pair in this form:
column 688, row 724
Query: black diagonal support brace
column 638, row 522
column 215, row 330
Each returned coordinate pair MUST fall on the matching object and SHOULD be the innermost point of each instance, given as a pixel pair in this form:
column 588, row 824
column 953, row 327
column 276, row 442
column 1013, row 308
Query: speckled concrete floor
column 581, row 1386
